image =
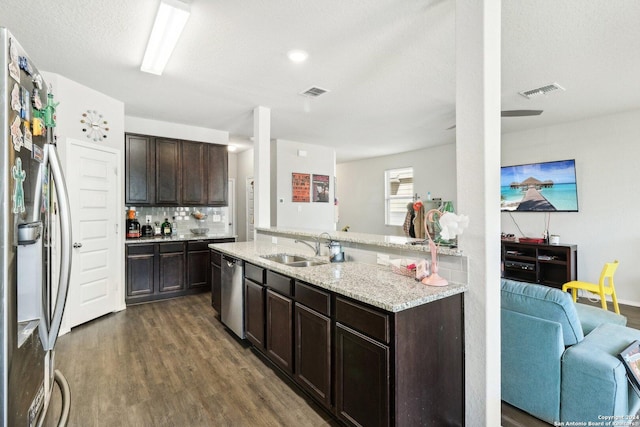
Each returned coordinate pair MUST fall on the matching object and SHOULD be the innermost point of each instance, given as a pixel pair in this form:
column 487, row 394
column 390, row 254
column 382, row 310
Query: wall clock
column 94, row 125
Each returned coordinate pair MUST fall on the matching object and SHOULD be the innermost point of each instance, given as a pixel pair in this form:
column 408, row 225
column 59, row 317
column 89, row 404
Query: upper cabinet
column 139, row 170
column 168, row 172
column 171, row 172
column 194, row 173
column 218, row 175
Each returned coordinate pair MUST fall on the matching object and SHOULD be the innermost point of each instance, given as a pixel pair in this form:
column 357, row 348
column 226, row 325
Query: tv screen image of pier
column 539, row 187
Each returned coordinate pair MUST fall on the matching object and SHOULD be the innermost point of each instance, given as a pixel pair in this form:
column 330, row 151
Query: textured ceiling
column 389, row 64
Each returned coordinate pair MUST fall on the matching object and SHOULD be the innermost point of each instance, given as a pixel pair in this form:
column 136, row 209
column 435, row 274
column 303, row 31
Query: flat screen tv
column 539, row 187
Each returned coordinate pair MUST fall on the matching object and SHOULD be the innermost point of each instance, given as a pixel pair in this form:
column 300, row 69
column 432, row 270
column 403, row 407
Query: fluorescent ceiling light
column 170, row 21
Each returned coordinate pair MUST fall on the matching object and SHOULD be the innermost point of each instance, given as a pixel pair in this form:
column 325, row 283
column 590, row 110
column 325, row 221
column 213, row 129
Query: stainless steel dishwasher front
column 232, row 295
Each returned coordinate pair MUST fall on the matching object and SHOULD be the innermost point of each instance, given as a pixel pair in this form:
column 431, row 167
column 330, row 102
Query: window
column 398, row 193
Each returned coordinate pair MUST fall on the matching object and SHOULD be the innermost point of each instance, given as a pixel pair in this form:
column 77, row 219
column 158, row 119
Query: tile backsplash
column 217, row 220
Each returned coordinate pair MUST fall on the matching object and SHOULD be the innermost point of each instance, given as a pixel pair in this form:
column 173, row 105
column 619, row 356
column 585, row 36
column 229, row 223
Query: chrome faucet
column 316, row 249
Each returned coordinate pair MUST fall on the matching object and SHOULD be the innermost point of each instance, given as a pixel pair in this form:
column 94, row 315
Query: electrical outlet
column 274, row 240
column 148, row 218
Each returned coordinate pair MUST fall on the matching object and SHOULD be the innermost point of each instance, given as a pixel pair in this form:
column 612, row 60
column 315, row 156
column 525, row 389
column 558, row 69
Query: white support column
column 478, row 24
column 262, row 166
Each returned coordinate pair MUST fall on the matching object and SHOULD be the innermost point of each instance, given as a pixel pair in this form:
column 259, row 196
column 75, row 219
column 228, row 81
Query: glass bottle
column 166, row 227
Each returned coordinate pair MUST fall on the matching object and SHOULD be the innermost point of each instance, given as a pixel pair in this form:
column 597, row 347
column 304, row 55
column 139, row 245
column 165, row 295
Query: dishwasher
column 232, row 295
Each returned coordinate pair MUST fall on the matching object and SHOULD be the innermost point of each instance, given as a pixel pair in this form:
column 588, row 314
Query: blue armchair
column 559, row 358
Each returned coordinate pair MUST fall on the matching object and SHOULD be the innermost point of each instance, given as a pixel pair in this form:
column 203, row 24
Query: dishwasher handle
column 231, row 262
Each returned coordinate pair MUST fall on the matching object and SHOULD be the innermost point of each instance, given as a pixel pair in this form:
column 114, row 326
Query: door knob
column 77, row 245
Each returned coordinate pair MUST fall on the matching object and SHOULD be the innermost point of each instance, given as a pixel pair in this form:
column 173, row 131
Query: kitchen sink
column 308, row 263
column 293, row 260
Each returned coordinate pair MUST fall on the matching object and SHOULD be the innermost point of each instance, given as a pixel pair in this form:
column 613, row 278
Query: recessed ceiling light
column 297, row 55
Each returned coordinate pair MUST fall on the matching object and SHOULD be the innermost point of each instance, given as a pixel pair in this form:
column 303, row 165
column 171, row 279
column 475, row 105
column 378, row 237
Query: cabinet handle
column 77, row 245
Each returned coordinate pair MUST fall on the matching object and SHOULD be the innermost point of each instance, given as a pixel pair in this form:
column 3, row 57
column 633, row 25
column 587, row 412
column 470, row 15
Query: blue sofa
column 559, row 358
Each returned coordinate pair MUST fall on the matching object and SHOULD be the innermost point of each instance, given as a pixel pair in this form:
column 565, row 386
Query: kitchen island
column 371, row 346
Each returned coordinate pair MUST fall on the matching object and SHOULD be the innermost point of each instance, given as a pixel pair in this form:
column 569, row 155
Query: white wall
column 606, row 150
column 175, row 130
column 361, row 185
column 318, row 160
column 75, row 99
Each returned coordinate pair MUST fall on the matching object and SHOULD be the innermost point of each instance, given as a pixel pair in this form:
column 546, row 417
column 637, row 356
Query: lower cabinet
column 254, row 320
column 159, row 270
column 171, row 267
column 367, row 366
column 198, row 260
column 313, row 353
column 362, row 379
column 279, row 343
column 154, row 271
column 216, row 280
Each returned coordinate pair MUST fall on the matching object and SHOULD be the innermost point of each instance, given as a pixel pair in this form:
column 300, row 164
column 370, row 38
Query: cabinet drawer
column 364, row 319
column 171, row 247
column 313, row 298
column 254, row 273
column 198, row 245
column 140, row 249
column 279, row 283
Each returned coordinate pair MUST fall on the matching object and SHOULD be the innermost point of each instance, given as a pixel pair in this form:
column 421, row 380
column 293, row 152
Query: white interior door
column 92, row 183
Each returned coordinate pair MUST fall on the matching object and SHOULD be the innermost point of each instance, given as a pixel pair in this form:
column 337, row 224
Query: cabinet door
column 194, row 180
column 254, row 313
column 171, row 271
column 313, row 353
column 140, row 278
column 280, row 330
column 362, row 379
column 168, row 172
column 216, row 287
column 139, row 170
column 198, row 276
column 217, row 175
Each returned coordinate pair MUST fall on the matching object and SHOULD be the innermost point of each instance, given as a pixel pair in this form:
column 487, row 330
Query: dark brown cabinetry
column 550, row 265
column 194, row 180
column 367, row 366
column 254, row 313
column 198, row 260
column 313, row 349
column 171, row 172
column 254, row 303
column 140, row 271
column 362, row 363
column 139, row 170
column 159, row 270
column 217, row 175
column 168, row 172
column 171, row 267
column 216, row 280
column 362, row 379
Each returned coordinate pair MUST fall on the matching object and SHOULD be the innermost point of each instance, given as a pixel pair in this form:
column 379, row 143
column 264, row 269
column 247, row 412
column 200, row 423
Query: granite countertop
column 371, row 284
column 180, row 238
column 396, row 242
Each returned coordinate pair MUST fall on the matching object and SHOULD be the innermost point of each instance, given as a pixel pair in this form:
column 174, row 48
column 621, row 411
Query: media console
column 550, row 265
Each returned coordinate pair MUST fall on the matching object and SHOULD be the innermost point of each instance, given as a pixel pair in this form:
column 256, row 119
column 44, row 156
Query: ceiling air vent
column 314, row 92
column 541, row 90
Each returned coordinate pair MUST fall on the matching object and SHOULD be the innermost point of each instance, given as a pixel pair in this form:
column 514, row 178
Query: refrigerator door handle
column 65, row 244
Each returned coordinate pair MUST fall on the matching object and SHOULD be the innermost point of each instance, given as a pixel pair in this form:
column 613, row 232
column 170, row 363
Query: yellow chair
column 600, row 288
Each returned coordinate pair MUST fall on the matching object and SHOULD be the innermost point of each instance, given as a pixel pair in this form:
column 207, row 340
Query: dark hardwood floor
column 513, row 417
column 171, row 363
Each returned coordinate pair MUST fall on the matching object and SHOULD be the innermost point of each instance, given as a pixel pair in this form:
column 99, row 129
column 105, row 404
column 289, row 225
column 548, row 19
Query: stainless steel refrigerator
column 33, row 290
